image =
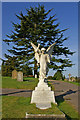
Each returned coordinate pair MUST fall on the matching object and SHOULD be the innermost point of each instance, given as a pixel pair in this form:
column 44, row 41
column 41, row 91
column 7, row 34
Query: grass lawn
column 28, row 83
column 68, row 110
column 0, row 107
column 16, row 107
column 0, row 81
column 75, row 83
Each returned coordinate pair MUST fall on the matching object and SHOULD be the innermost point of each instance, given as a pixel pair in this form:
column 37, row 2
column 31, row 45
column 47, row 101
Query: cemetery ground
column 16, row 98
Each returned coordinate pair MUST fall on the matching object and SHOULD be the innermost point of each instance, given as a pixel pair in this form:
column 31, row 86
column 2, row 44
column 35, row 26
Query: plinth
column 42, row 96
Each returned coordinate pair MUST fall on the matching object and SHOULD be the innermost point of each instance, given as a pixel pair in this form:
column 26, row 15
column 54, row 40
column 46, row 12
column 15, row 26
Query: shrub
column 50, row 77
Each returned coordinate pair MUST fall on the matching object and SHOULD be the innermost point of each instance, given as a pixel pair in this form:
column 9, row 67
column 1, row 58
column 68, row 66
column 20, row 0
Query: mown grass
column 75, row 83
column 0, row 81
column 16, row 107
column 28, row 83
column 0, row 107
column 68, row 110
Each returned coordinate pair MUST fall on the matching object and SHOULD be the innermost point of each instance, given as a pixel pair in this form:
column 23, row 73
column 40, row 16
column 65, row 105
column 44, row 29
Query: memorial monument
column 42, row 96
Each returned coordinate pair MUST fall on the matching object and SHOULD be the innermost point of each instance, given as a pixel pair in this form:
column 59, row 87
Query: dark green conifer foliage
column 9, row 65
column 37, row 27
column 12, row 64
column 58, row 75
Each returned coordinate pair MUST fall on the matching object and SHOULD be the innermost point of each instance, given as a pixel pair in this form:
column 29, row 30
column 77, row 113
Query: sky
column 67, row 14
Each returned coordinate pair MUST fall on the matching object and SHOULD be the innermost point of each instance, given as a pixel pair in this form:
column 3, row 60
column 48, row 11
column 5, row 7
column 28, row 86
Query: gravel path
column 16, row 92
column 63, row 90
column 67, row 91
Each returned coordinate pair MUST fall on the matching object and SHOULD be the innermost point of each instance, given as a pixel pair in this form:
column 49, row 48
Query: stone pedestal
column 43, row 96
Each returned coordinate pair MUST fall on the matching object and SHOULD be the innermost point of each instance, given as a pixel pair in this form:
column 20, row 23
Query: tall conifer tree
column 36, row 27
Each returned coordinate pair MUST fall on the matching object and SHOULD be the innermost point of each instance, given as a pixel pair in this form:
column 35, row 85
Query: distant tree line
column 57, row 76
column 12, row 64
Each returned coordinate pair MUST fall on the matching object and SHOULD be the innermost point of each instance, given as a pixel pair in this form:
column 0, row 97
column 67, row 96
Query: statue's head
column 43, row 50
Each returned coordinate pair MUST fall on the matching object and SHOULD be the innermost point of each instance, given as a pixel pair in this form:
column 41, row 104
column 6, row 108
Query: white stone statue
column 43, row 57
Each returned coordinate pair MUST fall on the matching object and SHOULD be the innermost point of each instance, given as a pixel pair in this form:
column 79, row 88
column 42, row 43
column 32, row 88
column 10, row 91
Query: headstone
column 35, row 75
column 20, row 76
column 14, row 74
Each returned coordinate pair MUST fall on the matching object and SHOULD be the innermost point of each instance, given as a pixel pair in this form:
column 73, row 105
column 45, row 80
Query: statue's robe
column 44, row 60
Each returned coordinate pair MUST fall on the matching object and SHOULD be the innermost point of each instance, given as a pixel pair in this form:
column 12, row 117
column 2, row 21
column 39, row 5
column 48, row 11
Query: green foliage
column 50, row 77
column 9, row 65
column 77, row 79
column 58, row 75
column 13, row 64
column 37, row 27
column 26, row 70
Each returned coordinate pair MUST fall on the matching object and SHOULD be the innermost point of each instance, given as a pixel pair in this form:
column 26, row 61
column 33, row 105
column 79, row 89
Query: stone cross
column 20, row 76
column 14, row 74
column 69, row 76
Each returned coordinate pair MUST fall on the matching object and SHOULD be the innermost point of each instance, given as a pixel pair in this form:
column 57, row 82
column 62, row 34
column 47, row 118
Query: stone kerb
column 14, row 74
column 20, row 76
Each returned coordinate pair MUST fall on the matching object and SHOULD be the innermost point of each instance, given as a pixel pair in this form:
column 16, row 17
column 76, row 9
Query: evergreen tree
column 12, row 64
column 37, row 27
column 58, row 75
column 26, row 70
column 9, row 65
column 63, row 77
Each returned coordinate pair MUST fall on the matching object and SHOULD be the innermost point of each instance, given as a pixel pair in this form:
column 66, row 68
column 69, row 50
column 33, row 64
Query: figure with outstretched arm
column 42, row 95
column 43, row 57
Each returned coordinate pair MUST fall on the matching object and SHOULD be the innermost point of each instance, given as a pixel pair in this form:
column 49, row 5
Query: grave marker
column 20, row 76
column 14, row 74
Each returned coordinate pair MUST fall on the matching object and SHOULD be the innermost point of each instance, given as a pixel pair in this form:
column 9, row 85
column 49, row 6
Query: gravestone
column 14, row 74
column 20, row 76
column 35, row 75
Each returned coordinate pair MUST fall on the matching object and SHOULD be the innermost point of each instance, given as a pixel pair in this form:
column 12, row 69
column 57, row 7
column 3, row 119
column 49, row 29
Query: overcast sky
column 67, row 14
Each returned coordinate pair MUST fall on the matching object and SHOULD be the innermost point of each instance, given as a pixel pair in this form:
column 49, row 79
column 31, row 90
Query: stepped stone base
column 46, row 116
column 42, row 96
